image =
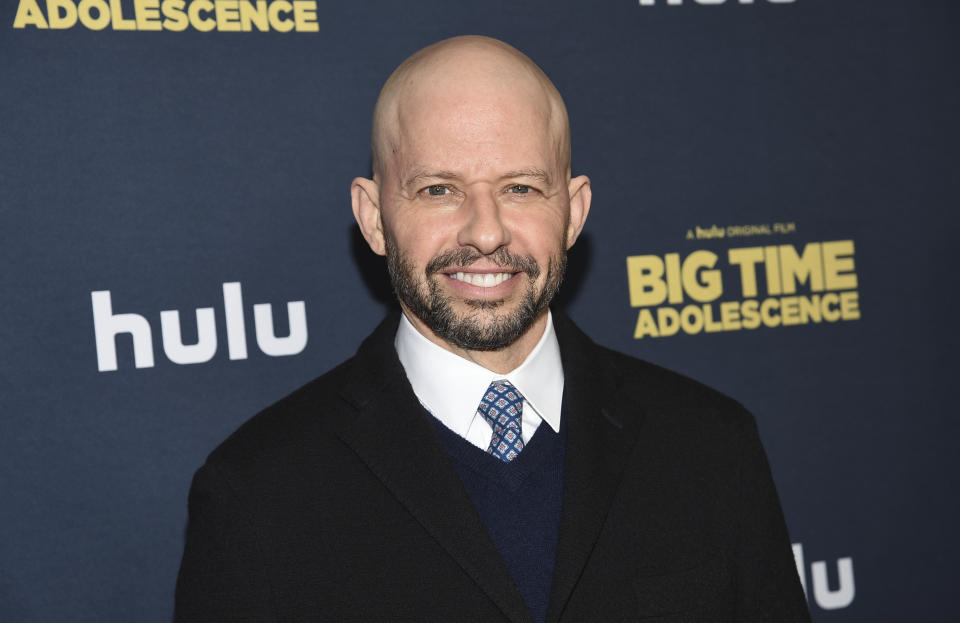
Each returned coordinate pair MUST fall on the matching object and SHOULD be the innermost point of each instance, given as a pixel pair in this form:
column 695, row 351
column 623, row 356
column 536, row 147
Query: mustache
column 502, row 257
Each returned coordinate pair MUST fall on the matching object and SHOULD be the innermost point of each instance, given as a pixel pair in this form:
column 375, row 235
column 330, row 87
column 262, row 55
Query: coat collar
column 419, row 474
column 417, row 471
column 601, row 432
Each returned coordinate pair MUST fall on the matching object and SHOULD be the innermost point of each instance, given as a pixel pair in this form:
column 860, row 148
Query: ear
column 580, row 196
column 365, row 198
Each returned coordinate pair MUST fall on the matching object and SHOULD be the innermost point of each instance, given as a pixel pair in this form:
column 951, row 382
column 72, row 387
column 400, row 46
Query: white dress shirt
column 451, row 387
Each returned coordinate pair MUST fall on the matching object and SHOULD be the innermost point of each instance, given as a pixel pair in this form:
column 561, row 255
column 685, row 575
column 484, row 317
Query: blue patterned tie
column 502, row 408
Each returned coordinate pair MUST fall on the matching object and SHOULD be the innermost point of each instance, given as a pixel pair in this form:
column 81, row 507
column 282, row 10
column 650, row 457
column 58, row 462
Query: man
column 480, row 459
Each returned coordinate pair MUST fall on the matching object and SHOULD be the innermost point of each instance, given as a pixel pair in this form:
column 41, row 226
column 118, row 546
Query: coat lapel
column 394, row 437
column 598, row 445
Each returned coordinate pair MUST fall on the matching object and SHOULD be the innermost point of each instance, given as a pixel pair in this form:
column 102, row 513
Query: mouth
column 481, row 280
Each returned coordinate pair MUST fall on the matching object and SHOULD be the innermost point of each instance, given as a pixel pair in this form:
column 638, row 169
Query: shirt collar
column 450, row 387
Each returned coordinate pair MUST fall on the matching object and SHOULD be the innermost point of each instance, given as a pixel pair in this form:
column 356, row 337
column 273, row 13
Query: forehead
column 474, row 128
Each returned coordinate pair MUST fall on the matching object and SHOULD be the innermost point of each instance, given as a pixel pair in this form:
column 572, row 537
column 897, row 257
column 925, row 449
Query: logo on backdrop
column 711, row 2
column 825, row 597
column 771, row 285
column 107, row 325
column 173, row 15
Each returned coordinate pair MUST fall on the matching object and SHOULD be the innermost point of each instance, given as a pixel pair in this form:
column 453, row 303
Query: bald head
column 472, row 69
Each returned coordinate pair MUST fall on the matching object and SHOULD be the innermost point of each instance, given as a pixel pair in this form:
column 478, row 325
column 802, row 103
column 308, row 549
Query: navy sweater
column 519, row 503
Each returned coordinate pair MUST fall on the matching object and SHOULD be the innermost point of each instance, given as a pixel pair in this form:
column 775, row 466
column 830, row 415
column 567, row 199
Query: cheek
column 541, row 235
column 421, row 239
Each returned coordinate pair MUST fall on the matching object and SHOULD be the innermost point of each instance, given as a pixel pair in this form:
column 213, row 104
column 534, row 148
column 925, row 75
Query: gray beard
column 468, row 331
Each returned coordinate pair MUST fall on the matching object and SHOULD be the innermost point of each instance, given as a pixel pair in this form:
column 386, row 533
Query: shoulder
column 685, row 430
column 672, row 403
column 277, row 437
column 663, row 386
column 306, row 420
column 640, row 383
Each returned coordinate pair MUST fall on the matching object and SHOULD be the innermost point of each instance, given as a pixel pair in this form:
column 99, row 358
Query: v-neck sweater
column 519, row 503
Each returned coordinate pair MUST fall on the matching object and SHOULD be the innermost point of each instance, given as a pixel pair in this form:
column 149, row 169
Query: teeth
column 487, row 280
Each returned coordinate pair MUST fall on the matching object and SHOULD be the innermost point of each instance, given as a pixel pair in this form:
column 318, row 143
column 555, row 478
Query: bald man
column 479, row 458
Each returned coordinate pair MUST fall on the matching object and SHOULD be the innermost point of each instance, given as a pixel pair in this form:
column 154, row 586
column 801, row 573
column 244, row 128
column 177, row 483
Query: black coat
column 318, row 509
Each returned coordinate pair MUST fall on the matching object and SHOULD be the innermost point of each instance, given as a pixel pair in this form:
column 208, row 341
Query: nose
column 483, row 227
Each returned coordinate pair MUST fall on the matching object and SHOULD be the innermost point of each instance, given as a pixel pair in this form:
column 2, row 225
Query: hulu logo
column 107, row 325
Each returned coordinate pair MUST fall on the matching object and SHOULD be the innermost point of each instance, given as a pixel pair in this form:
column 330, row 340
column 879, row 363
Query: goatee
column 425, row 298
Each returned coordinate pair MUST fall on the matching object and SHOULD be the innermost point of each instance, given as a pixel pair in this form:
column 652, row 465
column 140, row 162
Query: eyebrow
column 536, row 174
column 419, row 175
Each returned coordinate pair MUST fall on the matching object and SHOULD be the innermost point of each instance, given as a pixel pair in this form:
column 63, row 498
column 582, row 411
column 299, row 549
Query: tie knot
column 501, row 400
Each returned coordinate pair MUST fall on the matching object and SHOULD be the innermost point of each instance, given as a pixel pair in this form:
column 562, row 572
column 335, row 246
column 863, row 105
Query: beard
column 487, row 326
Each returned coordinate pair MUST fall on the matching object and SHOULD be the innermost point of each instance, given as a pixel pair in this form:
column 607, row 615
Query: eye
column 437, row 190
column 520, row 189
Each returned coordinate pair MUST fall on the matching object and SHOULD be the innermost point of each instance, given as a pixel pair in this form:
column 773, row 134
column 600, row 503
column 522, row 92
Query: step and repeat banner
column 775, row 194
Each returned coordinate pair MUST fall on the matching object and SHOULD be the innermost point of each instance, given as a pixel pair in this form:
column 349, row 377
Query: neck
column 500, row 361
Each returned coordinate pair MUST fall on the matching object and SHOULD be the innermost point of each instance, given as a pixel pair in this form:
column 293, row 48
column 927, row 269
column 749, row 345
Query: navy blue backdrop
column 782, row 175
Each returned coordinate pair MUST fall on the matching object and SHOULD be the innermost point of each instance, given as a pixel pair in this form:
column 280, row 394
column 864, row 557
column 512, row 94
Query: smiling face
column 473, row 198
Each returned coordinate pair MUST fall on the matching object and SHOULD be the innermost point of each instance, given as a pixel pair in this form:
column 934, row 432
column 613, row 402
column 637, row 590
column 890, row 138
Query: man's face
column 475, row 209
